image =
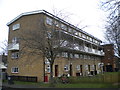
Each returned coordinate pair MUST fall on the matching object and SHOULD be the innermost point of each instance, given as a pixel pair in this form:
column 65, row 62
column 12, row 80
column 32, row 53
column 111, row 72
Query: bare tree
column 113, row 22
column 46, row 41
column 4, row 47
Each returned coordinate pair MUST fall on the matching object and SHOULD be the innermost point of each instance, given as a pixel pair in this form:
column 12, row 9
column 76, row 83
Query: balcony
column 94, row 51
column 13, row 46
column 88, row 50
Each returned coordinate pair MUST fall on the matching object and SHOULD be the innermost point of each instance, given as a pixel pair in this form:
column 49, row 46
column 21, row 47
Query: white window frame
column 70, row 30
column 15, row 40
column 91, row 39
column 79, row 34
column 66, row 67
column 84, row 36
column 71, row 55
column 15, row 55
column 63, row 26
column 85, row 57
column 14, row 69
column 64, row 54
column 78, row 67
column 86, row 67
column 76, row 55
column 57, row 24
column 48, row 68
column 81, row 56
column 16, row 26
column 49, row 20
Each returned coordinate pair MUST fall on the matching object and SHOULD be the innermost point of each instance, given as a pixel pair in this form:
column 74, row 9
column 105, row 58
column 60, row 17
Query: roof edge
column 24, row 14
column 44, row 11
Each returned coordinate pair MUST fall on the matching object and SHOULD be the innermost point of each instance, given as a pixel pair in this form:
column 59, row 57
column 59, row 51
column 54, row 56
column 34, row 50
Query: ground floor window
column 66, row 67
column 14, row 69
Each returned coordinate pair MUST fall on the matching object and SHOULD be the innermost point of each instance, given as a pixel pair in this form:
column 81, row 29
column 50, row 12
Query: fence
column 24, row 78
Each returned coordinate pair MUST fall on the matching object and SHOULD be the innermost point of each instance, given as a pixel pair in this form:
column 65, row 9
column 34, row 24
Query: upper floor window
column 64, row 54
column 64, row 27
column 70, row 30
column 76, row 55
column 90, row 39
column 48, row 68
column 84, row 36
column 85, row 56
column 71, row 55
column 75, row 32
column 48, row 20
column 81, row 56
column 15, row 55
column 14, row 70
column 15, row 26
column 79, row 34
column 15, row 40
column 56, row 23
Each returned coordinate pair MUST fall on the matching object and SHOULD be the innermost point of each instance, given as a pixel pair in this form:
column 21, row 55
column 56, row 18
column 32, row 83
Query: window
column 79, row 34
column 86, row 67
column 64, row 54
column 14, row 70
column 85, row 56
column 81, row 56
column 70, row 30
column 88, row 37
column 66, row 67
column 56, row 23
column 91, row 39
column 15, row 55
column 71, row 55
column 84, row 36
column 48, row 68
column 96, row 41
column 63, row 26
column 16, row 26
column 75, row 32
column 88, row 57
column 64, row 44
column 48, row 20
column 78, row 67
column 15, row 40
column 76, row 55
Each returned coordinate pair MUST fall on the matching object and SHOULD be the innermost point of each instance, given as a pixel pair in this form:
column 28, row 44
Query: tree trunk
column 51, row 75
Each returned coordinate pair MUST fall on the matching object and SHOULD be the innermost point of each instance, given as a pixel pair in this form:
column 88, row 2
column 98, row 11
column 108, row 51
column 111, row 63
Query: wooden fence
column 24, row 78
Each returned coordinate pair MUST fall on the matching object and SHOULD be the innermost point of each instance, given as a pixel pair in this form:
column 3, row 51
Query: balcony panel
column 13, row 46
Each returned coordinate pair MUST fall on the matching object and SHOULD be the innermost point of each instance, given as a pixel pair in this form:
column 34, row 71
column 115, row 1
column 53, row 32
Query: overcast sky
column 82, row 12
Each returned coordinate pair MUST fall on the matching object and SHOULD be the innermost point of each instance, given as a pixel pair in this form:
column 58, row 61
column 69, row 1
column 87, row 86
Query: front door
column 56, row 70
column 70, row 70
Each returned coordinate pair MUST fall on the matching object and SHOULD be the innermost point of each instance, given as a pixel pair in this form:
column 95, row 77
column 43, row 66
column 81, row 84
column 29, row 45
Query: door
column 70, row 70
column 81, row 69
column 46, row 79
column 56, row 70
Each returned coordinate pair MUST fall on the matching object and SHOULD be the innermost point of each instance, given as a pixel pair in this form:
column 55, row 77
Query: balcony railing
column 13, row 46
column 94, row 51
column 86, row 50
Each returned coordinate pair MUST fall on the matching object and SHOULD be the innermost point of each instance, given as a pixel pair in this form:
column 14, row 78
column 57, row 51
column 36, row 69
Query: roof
column 51, row 15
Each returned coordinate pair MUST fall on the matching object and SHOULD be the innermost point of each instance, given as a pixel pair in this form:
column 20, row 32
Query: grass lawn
column 87, row 85
column 69, row 85
column 108, row 80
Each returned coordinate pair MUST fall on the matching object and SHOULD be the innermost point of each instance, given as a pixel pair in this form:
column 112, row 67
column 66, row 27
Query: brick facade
column 88, row 58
